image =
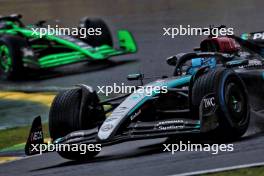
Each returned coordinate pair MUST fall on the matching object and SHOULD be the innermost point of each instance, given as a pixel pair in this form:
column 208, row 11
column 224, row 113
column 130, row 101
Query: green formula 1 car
column 23, row 47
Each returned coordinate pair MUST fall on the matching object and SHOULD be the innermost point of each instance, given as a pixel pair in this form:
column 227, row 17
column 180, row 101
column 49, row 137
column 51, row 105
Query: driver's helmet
column 220, row 44
column 198, row 62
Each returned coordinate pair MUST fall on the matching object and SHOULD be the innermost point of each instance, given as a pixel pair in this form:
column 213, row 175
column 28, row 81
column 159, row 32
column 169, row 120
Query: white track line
column 220, row 169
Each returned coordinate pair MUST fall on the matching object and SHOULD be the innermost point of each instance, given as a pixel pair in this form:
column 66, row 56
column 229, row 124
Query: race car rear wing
column 126, row 41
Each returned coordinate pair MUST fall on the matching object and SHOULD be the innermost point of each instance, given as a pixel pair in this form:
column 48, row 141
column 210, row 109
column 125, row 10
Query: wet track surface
column 139, row 158
column 145, row 20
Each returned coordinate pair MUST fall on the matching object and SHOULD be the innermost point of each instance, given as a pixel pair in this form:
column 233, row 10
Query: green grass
column 13, row 136
column 254, row 171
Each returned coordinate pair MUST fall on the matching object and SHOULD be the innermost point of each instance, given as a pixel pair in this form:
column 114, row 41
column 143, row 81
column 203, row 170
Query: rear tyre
column 74, row 110
column 11, row 64
column 102, row 35
column 231, row 99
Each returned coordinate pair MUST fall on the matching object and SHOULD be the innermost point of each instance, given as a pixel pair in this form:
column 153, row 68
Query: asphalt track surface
column 145, row 19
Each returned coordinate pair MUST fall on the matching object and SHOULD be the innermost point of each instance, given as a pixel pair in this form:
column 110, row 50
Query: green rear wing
column 126, row 41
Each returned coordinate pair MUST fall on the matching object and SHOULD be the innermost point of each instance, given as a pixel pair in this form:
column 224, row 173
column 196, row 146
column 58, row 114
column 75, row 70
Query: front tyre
column 73, row 110
column 11, row 55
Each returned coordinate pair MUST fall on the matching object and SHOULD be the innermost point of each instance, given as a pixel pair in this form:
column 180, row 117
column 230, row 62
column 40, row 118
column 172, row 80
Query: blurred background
column 145, row 19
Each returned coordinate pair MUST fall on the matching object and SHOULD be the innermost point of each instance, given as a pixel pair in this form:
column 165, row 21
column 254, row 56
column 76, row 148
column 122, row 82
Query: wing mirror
column 41, row 23
column 135, row 76
column 197, row 49
column 15, row 15
column 172, row 60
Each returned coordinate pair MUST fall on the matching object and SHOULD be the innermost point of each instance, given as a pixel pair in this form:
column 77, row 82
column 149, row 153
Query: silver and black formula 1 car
column 211, row 92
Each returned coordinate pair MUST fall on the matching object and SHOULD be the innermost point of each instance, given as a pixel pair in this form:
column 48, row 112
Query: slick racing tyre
column 11, row 64
column 102, row 35
column 230, row 99
column 73, row 110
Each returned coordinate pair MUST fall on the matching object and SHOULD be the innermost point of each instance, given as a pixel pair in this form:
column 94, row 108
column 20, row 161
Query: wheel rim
column 236, row 102
column 5, row 58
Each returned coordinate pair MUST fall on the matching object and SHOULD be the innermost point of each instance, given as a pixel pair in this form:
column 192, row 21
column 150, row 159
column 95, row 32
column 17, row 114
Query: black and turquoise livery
column 210, row 94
